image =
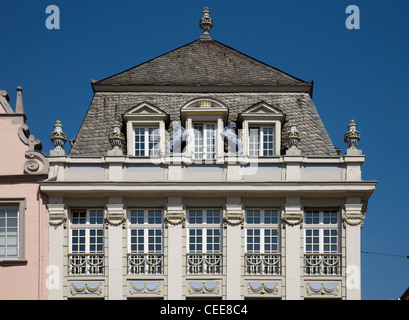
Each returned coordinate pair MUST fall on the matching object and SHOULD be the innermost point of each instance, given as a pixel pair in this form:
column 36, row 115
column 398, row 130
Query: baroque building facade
column 23, row 223
column 204, row 173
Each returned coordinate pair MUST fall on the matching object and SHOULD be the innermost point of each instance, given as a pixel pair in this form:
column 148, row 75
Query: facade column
column 175, row 219
column 233, row 221
column 353, row 221
column 115, row 223
column 292, row 219
column 57, row 219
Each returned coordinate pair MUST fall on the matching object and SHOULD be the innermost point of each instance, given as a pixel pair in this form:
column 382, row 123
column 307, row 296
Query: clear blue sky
column 358, row 74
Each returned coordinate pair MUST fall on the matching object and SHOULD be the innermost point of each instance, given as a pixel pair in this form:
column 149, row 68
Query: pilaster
column 115, row 223
column 353, row 221
column 175, row 220
column 57, row 220
column 233, row 221
column 292, row 219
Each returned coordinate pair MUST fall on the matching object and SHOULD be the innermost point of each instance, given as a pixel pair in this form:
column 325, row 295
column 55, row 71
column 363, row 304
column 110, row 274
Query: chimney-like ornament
column 352, row 137
column 206, row 24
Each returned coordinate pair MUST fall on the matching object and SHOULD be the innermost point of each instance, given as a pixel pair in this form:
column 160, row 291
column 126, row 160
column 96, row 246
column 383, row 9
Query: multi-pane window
column 147, row 141
column 204, row 231
column 262, row 242
column 321, row 241
column 86, row 255
column 204, row 141
column 9, row 232
column 145, row 244
column 87, row 231
column 261, row 141
column 146, row 231
column 204, row 241
column 321, row 232
column 262, row 231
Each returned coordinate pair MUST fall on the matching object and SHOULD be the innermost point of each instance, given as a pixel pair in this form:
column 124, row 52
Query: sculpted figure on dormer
column 230, row 137
column 179, row 134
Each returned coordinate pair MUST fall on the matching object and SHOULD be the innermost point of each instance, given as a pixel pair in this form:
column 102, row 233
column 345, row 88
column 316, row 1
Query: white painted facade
column 105, row 184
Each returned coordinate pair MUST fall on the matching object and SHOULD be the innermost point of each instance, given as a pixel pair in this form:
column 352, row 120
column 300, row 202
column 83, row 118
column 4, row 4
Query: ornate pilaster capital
column 174, row 218
column 235, row 218
column 353, row 215
column 56, row 215
column 292, row 216
column 115, row 215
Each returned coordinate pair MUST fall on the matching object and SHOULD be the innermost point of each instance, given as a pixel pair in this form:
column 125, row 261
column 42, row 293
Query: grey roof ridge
column 249, row 58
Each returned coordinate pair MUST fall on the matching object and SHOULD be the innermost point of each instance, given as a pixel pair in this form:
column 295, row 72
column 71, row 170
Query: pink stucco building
column 23, row 225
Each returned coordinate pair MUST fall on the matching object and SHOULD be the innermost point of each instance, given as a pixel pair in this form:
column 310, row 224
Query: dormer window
column 145, row 128
column 204, row 119
column 262, row 130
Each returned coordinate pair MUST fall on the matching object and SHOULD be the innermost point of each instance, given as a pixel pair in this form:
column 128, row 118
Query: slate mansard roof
column 203, row 63
column 201, row 69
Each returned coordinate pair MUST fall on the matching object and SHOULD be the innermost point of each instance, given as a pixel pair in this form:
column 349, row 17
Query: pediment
column 262, row 109
column 145, row 108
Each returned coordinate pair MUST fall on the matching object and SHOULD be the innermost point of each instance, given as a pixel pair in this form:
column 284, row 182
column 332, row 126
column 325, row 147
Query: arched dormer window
column 204, row 118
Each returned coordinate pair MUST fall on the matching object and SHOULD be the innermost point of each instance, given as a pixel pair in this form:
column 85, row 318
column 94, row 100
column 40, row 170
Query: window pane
column 254, row 142
column 213, row 216
column 96, row 216
column 195, row 216
column 268, row 141
column 137, row 217
column 79, row 217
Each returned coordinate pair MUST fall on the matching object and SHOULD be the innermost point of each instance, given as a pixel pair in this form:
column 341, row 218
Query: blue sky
column 358, row 74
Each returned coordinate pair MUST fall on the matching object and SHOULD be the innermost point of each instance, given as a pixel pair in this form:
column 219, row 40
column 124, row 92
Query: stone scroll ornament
column 180, row 134
column 230, row 137
column 34, row 155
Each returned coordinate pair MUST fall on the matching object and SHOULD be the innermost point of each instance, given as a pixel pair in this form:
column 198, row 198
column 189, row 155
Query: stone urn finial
column 58, row 137
column 352, row 137
column 206, row 24
column 293, row 137
column 116, row 137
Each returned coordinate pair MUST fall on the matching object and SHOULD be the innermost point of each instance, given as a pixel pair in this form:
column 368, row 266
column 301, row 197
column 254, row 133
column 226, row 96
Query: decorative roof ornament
column 58, row 137
column 206, row 24
column 352, row 137
column 293, row 136
column 19, row 101
column 116, row 138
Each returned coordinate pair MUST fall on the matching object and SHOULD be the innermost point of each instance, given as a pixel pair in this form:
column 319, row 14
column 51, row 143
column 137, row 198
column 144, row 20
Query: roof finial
column 19, row 101
column 206, row 24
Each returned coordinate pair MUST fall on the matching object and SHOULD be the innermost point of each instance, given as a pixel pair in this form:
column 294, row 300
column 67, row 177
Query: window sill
column 13, row 262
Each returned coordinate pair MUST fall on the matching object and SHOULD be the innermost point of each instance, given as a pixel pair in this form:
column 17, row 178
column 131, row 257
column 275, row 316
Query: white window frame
column 20, row 205
column 87, row 227
column 205, row 134
column 204, row 227
column 145, row 227
column 7, row 243
column 145, row 115
column 260, row 141
column 149, row 137
column 321, row 227
column 275, row 125
column 262, row 227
